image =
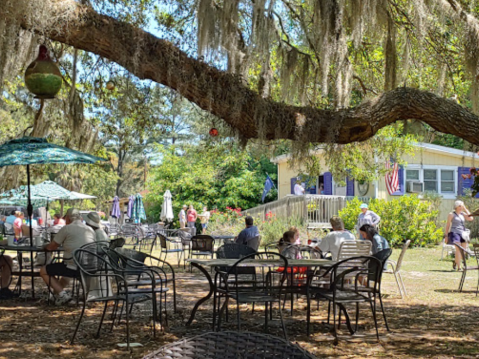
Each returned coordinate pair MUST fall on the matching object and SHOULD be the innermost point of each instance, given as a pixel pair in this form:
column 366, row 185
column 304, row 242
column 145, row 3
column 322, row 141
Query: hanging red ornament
column 110, row 85
column 214, row 132
column 42, row 76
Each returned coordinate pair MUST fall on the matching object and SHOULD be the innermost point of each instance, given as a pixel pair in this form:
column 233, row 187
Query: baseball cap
column 364, row 205
column 72, row 212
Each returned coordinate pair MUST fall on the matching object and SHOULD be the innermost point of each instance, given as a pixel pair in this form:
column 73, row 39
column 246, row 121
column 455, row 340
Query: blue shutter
column 401, row 189
column 293, row 182
column 311, row 182
column 349, row 187
column 462, row 183
column 328, row 183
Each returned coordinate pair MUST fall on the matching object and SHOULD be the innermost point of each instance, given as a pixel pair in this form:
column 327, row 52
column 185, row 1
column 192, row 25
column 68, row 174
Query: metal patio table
column 256, row 263
column 231, row 345
column 21, row 272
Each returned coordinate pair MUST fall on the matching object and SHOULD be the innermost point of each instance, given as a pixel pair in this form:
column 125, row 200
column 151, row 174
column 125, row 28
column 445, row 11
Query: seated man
column 6, row 264
column 93, row 221
column 248, row 233
column 73, row 236
column 11, row 218
column 333, row 240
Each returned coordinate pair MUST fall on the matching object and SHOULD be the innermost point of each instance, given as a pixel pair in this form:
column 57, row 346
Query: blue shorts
column 204, row 225
column 454, row 238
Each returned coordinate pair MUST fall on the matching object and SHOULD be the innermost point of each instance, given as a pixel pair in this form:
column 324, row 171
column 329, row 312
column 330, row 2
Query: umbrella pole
column 29, row 206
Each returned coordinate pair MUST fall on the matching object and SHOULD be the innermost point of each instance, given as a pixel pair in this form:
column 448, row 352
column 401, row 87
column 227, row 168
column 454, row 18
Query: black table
column 21, row 273
column 231, row 345
column 265, row 263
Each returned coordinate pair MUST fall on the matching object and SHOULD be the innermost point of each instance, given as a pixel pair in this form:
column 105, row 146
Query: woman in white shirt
column 367, row 217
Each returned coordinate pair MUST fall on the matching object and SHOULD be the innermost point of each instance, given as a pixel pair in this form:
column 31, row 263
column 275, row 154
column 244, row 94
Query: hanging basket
column 43, row 77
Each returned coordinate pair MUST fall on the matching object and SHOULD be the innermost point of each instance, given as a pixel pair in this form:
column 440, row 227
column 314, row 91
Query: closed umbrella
column 167, row 207
column 138, row 212
column 34, row 150
column 131, row 203
column 115, row 209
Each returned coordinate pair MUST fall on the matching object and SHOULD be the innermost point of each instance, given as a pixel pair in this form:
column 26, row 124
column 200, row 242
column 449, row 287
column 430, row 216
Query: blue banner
column 268, row 184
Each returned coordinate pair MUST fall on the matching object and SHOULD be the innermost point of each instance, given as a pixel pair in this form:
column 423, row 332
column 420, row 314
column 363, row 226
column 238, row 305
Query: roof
column 426, row 146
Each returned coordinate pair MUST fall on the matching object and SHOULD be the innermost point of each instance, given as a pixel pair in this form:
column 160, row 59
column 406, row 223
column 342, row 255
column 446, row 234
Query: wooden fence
column 312, row 210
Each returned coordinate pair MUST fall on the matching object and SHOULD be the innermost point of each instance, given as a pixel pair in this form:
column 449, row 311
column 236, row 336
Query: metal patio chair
column 465, row 267
column 353, row 280
column 396, row 269
column 91, row 265
column 263, row 289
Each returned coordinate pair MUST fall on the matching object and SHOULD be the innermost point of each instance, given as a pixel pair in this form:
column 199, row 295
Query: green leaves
column 216, row 176
column 402, row 218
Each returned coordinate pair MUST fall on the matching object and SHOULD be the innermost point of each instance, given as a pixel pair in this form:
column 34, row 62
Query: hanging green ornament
column 43, row 77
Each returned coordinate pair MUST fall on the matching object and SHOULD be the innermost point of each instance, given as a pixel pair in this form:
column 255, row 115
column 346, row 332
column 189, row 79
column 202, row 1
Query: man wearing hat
column 93, row 221
column 72, row 236
column 367, row 217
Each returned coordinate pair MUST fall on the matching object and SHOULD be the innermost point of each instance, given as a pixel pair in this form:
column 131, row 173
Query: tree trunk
column 225, row 95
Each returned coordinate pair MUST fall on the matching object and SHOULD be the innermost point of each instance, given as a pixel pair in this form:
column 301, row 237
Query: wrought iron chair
column 465, row 267
column 264, row 289
column 202, row 245
column 130, row 231
column 141, row 279
column 254, row 243
column 142, row 261
column 92, row 265
column 167, row 246
column 396, row 269
column 146, row 240
column 353, row 280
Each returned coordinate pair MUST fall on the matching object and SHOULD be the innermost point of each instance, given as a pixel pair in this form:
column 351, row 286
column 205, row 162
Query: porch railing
column 312, row 210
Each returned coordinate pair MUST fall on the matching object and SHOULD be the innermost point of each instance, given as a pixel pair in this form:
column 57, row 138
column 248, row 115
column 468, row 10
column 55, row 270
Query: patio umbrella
column 34, row 150
column 167, row 207
column 131, row 203
column 138, row 212
column 115, row 208
column 75, row 195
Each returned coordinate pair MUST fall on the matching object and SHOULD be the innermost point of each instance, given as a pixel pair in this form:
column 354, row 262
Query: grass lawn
column 433, row 321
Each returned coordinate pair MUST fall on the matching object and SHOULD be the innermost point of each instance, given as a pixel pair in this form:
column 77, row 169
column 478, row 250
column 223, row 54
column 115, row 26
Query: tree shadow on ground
column 417, row 330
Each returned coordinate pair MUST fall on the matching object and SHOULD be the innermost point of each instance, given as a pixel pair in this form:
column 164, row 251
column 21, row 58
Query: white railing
column 312, row 210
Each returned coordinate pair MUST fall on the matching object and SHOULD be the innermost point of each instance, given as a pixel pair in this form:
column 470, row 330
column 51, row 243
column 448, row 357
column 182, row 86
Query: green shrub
column 271, row 229
column 402, row 218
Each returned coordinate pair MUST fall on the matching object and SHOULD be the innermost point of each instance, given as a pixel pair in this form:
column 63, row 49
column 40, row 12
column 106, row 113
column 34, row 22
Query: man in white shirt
column 333, row 240
column 72, row 236
column 298, row 189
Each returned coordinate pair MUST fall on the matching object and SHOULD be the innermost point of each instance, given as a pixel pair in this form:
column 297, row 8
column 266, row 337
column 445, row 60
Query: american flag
column 392, row 177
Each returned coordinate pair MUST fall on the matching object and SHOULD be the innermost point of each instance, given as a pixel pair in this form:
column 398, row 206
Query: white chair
column 356, row 248
column 396, row 269
column 450, row 248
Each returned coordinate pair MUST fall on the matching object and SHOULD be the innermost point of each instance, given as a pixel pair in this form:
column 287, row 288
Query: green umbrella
column 34, row 150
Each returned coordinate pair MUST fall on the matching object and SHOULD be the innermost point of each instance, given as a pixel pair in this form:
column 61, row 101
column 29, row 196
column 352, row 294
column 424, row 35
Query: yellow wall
column 423, row 156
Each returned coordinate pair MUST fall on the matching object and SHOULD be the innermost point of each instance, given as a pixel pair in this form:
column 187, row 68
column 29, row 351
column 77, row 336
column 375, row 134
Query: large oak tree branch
column 226, row 96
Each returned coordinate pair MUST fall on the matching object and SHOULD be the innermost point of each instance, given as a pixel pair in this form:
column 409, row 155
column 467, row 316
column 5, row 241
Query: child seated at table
column 288, row 249
column 297, row 240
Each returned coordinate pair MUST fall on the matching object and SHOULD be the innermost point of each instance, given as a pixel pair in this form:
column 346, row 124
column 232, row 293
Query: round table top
column 225, row 236
column 231, row 345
